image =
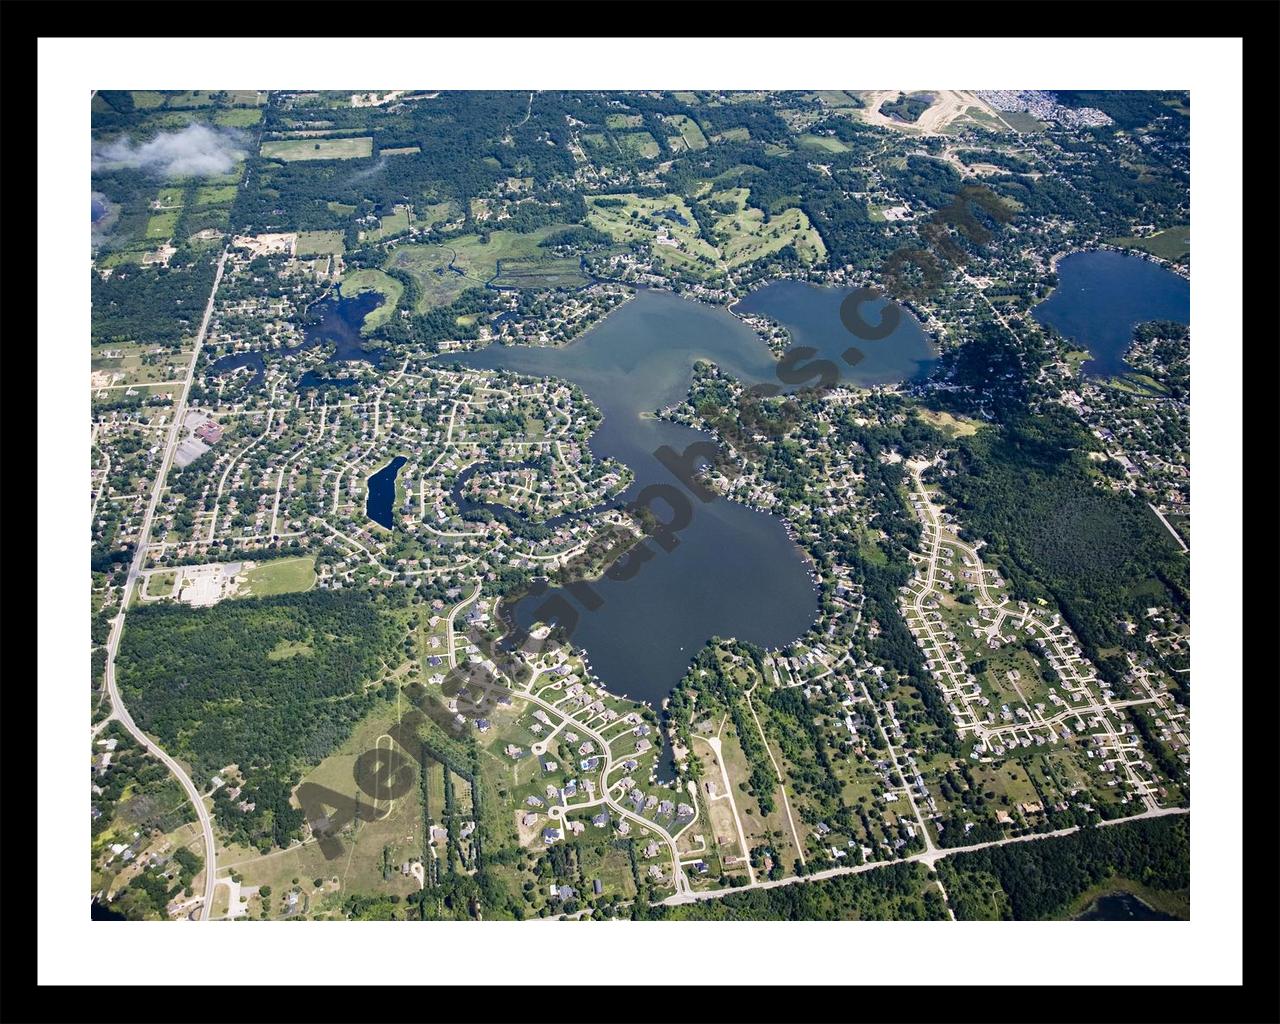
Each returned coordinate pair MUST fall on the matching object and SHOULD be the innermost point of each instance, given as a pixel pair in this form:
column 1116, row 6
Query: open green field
column 827, row 143
column 213, row 195
column 739, row 134
column 474, row 263
column 161, row 224
column 640, row 144
column 192, row 98
column 246, row 97
column 144, row 100
column 836, row 98
column 340, row 208
column 1021, row 121
column 160, row 584
column 238, row 117
column 686, row 97
column 393, row 826
column 428, row 265
column 279, row 576
column 624, row 120
column 318, row 149
column 689, row 132
column 374, row 281
column 951, row 425
column 315, row 243
column 1169, row 244
column 434, row 213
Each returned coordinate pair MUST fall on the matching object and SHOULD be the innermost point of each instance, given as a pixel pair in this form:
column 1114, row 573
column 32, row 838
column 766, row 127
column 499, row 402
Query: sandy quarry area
column 948, row 104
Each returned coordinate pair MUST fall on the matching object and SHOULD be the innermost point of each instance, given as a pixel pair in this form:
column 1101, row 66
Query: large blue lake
column 736, row 571
column 811, row 313
column 1101, row 296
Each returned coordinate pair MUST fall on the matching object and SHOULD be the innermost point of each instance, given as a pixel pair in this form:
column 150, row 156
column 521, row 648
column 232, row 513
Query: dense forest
column 1040, row 879
column 1028, row 490
column 271, row 684
column 156, row 305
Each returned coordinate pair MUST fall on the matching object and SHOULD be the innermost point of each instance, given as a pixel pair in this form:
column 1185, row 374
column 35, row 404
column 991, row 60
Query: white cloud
column 196, row 151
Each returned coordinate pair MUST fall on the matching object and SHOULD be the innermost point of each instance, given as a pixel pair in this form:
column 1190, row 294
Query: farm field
column 317, row 243
column 534, row 273
column 238, row 117
column 318, row 149
column 690, row 135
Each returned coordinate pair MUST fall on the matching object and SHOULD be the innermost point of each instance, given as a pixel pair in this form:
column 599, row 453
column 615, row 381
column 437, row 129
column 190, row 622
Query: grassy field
column 836, row 98
column 400, row 151
column 394, row 824
column 192, row 98
column 739, row 134
column 536, row 273
column 374, row 281
column 428, row 265
column 1021, row 121
column 161, row 224
column 826, row 143
column 749, row 237
column 398, row 221
column 690, row 135
column 624, row 120
column 280, row 576
column 476, row 262
column 212, row 195
column 1169, row 244
column 318, row 149
column 240, row 117
column 953, row 426
column 640, row 144
column 143, row 100
column 743, row 234
column 315, row 243
column 160, row 584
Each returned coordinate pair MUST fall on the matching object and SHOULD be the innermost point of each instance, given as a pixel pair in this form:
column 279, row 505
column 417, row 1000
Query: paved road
column 929, row 858
column 118, row 711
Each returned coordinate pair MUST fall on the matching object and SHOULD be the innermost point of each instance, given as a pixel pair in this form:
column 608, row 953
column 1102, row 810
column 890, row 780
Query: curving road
column 118, row 711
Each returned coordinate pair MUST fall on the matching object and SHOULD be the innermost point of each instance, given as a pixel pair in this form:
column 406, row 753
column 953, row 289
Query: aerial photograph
column 655, row 505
